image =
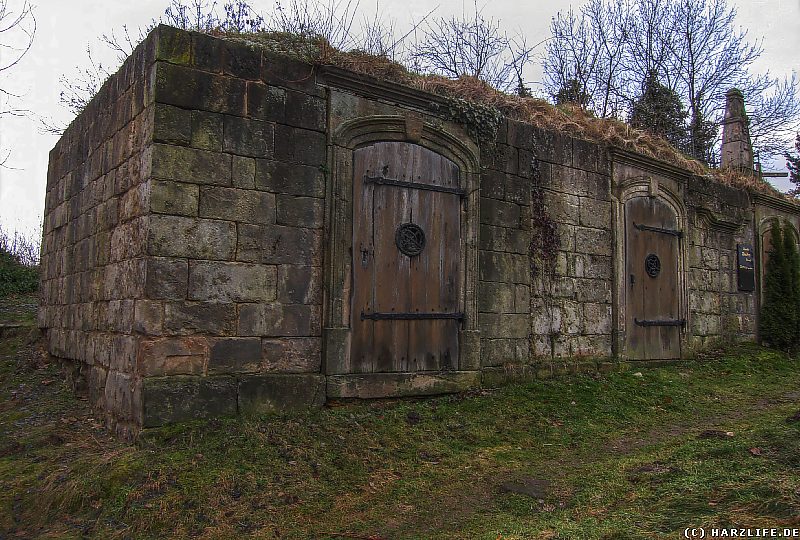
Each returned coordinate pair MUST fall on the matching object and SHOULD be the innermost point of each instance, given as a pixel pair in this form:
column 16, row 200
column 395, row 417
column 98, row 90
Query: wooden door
column 652, row 243
column 406, row 298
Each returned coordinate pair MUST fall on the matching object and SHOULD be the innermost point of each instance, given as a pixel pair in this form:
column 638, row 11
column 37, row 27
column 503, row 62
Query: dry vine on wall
column 545, row 244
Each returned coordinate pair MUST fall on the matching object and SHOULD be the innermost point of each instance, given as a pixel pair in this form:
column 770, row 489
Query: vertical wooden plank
column 363, row 263
column 391, row 208
column 423, row 205
column 451, row 288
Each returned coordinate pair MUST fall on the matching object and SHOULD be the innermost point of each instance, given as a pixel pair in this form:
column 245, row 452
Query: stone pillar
column 737, row 150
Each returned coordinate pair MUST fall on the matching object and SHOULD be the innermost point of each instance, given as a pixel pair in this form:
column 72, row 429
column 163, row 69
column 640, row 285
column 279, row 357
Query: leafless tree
column 332, row 20
column 606, row 51
column 17, row 30
column 474, row 46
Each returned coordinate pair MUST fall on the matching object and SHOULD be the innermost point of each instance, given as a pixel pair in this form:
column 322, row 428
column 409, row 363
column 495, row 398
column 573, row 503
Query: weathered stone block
column 241, row 60
column 277, row 69
column 522, row 299
column 186, row 318
column 550, row 146
column 493, row 184
column 127, row 240
column 260, row 394
column 504, row 267
column 703, row 324
column 276, row 320
column 305, row 111
column 597, row 318
column 503, row 239
column 233, row 204
column 266, row 102
column 289, row 179
column 231, row 282
column 593, row 241
column 296, row 145
column 299, row 284
column 193, row 89
column 244, row 172
column 123, row 351
column 588, row 156
column 178, row 399
column 518, row 190
column 171, row 125
column 504, row 214
column 593, row 290
column 495, row 377
column 122, row 396
column 248, row 137
column 191, row 165
column 705, row 301
column 595, row 213
column 469, row 344
column 148, row 317
column 173, row 45
column 207, row 130
column 496, row 297
column 207, row 52
column 401, row 384
column 496, row 352
column 172, row 236
column 133, row 203
column 235, row 355
column 166, row 278
column 292, row 355
column 594, row 266
column 172, row 356
column 571, row 317
column 494, row 325
column 300, row 211
column 277, row 244
column 167, row 197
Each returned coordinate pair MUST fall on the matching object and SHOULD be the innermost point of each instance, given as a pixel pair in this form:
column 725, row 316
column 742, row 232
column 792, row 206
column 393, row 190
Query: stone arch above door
column 363, row 132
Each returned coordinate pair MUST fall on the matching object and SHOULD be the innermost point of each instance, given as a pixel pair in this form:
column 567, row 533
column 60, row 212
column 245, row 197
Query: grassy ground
column 632, row 455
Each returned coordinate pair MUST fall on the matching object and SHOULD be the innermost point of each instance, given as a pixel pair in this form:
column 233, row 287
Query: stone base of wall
column 388, row 385
column 182, row 398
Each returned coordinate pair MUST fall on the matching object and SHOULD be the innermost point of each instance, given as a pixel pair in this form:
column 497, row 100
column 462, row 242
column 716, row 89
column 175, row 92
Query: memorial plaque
column 745, row 267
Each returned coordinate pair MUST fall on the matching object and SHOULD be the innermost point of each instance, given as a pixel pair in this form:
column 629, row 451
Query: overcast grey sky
column 66, row 27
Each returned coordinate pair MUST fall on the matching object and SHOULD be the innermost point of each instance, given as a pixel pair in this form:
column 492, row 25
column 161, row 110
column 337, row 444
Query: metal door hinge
column 400, row 316
column 659, row 322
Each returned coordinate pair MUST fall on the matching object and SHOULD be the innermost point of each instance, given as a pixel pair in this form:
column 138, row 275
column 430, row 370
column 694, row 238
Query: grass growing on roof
column 567, row 118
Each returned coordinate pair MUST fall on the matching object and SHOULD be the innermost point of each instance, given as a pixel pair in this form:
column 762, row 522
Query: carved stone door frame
column 345, row 139
column 636, row 176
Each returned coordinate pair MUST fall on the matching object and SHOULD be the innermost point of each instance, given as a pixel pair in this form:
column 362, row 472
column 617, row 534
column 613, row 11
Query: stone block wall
column 532, row 323
column 571, row 314
column 504, row 286
column 93, row 257
column 234, row 246
column 720, row 217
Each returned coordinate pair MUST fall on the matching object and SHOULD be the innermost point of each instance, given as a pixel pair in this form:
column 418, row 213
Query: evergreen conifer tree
column 659, row 110
column 793, row 164
column 793, row 285
column 779, row 314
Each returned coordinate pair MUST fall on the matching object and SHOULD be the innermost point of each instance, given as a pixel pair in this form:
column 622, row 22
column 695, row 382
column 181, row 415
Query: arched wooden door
column 652, row 244
column 406, row 303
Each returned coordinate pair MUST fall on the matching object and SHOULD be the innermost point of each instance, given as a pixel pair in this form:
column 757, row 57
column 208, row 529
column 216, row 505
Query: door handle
column 633, row 280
